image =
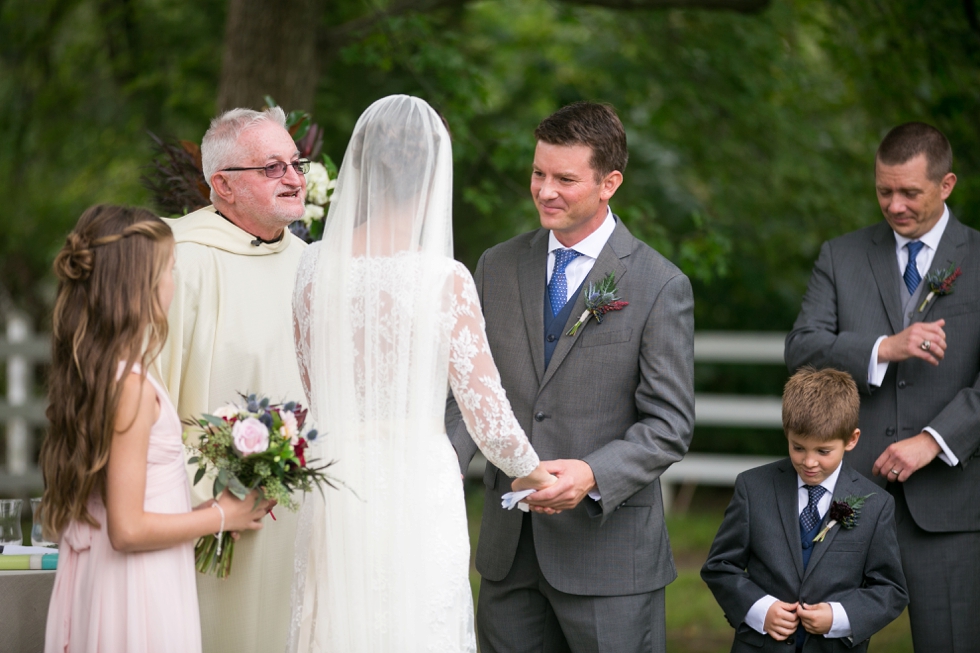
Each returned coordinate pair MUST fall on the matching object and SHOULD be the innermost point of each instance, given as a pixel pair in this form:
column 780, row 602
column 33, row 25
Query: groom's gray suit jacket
column 852, row 299
column 618, row 395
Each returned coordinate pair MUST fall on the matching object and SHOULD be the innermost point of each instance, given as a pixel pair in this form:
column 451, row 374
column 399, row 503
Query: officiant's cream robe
column 231, row 331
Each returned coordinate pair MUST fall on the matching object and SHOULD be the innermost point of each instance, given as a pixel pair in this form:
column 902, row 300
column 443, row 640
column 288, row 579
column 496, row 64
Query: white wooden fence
column 21, row 411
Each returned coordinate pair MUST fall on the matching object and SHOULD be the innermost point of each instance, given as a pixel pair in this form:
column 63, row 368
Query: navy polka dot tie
column 558, row 288
column 912, row 276
column 810, row 517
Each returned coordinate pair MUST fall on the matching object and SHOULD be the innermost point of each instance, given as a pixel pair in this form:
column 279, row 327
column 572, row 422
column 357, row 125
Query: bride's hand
column 539, row 479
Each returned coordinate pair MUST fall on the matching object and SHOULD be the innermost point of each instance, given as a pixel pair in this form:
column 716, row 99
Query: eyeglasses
column 277, row 169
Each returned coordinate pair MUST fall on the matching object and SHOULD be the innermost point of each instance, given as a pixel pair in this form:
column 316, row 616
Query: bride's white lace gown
column 384, row 566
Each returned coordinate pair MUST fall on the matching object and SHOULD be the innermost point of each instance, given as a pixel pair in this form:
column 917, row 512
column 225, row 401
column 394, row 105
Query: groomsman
column 897, row 305
column 610, row 404
column 230, row 332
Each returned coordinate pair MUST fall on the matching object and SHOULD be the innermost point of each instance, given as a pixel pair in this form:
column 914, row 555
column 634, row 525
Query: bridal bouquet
column 255, row 446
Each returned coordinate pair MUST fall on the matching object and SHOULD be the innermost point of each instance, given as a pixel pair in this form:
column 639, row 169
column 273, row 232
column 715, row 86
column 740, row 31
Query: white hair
column 218, row 146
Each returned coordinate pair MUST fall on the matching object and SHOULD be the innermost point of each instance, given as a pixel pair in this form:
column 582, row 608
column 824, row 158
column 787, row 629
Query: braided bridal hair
column 107, row 311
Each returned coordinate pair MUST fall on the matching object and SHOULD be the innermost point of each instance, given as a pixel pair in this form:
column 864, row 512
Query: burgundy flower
column 299, row 448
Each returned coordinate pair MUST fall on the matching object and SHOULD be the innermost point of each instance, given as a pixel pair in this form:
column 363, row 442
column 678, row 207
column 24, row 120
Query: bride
column 385, row 321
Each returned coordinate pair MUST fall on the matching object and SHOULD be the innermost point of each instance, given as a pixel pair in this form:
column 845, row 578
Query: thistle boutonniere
column 844, row 512
column 941, row 283
column 600, row 298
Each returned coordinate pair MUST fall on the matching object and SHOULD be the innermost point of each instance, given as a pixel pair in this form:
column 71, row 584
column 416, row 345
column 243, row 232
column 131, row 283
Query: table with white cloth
column 24, row 598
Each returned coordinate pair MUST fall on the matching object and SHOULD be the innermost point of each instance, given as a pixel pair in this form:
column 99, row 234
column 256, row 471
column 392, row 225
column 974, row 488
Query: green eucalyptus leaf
column 237, row 488
column 215, row 421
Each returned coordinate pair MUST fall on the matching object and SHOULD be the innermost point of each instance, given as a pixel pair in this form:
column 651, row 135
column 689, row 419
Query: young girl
column 115, row 487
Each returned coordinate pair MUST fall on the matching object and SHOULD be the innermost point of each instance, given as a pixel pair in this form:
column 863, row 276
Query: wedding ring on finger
column 925, row 345
column 895, row 472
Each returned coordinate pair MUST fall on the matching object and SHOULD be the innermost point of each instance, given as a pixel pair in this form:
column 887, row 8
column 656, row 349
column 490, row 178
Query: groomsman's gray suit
column 758, row 551
column 856, row 295
column 618, row 395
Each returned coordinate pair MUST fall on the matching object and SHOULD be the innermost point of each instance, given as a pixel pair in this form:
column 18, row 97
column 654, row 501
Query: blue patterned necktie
column 912, row 276
column 809, row 518
column 558, row 288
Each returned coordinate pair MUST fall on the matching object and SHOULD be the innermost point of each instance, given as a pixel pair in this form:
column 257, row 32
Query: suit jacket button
column 890, row 432
column 539, row 417
column 901, row 384
column 551, row 337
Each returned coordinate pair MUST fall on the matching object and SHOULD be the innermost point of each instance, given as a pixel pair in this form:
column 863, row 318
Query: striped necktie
column 912, row 276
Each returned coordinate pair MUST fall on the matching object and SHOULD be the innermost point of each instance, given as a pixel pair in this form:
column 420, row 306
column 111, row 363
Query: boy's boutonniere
column 941, row 283
column 600, row 298
column 844, row 512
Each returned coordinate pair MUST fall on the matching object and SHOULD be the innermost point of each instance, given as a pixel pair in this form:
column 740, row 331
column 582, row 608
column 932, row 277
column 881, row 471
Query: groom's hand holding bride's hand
column 575, row 480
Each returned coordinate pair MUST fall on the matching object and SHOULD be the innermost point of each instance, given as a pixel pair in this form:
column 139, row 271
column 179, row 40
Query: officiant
column 880, row 305
column 230, row 333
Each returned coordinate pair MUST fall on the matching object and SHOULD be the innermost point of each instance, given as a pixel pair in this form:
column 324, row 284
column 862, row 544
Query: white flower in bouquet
column 290, row 427
column 318, row 184
column 227, row 411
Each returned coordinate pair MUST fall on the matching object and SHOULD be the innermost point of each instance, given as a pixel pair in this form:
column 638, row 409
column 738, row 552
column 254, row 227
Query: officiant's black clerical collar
column 257, row 241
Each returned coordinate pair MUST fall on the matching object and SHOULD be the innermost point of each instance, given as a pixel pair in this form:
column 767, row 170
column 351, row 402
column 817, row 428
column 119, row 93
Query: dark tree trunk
column 269, row 49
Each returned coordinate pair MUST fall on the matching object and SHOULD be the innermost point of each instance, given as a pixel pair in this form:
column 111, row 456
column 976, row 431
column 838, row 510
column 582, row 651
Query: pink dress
column 107, row 601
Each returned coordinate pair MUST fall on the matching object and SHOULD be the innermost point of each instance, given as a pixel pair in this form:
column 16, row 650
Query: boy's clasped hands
column 782, row 619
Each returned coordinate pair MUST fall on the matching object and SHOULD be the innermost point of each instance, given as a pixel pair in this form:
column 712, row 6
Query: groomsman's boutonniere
column 600, row 298
column 844, row 512
column 941, row 283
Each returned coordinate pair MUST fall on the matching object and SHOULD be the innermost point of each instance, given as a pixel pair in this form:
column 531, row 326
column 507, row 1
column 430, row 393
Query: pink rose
column 250, row 436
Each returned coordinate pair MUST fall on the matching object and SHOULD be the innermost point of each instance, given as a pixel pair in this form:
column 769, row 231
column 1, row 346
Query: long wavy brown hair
column 107, row 310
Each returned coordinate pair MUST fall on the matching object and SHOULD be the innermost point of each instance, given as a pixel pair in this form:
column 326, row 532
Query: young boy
column 781, row 570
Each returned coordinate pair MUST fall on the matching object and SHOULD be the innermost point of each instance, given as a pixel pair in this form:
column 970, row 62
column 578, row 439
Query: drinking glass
column 10, row 532
column 37, row 532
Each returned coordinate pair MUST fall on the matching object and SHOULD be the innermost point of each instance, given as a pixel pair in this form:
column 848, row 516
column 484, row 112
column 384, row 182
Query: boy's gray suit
column 852, row 299
column 758, row 551
column 618, row 395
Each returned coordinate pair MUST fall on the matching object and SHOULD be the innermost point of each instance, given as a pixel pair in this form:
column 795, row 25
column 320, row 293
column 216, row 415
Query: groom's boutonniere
column 844, row 512
column 941, row 283
column 600, row 298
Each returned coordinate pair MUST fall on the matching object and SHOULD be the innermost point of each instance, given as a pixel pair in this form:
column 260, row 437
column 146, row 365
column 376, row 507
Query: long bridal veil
column 385, row 321
column 370, row 308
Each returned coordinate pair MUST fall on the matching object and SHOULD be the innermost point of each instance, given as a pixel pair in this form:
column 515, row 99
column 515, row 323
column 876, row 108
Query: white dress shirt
column 923, row 263
column 841, row 626
column 580, row 266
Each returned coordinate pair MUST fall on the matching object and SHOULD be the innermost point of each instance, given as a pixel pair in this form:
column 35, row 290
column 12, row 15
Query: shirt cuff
column 594, row 495
column 876, row 370
column 842, row 625
column 947, row 455
column 755, row 618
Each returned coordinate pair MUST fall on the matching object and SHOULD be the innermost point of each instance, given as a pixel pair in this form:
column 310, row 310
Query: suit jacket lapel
column 844, row 488
column 951, row 249
column 531, row 277
column 884, row 266
column 619, row 246
column 787, row 491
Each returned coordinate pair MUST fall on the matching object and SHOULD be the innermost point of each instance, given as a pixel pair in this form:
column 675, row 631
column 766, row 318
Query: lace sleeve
column 302, row 315
column 475, row 383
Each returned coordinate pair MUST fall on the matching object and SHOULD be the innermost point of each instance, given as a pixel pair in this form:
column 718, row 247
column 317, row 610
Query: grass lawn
column 695, row 623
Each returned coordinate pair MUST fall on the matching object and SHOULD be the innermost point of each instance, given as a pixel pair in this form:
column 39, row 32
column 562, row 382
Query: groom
column 611, row 407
